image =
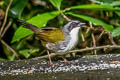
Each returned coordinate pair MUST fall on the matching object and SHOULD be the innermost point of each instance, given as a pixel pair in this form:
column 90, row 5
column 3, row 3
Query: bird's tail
column 29, row 26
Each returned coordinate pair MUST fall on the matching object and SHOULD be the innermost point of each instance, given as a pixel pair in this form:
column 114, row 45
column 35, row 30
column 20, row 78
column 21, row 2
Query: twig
column 111, row 38
column 95, row 48
column 14, row 52
column 85, row 49
column 91, row 28
column 64, row 16
column 88, row 29
column 93, row 38
column 83, row 38
column 6, row 28
column 100, row 35
column 3, row 32
column 5, row 19
column 103, row 31
column 94, row 43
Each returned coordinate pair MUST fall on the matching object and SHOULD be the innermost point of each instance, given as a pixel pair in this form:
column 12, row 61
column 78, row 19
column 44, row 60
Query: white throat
column 74, row 39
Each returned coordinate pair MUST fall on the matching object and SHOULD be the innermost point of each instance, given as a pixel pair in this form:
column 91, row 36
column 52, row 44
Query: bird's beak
column 80, row 24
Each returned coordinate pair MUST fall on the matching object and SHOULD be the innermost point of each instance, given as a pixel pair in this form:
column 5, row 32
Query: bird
column 55, row 39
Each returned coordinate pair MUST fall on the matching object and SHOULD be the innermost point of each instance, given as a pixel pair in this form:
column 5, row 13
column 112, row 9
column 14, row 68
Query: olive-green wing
column 52, row 35
column 48, row 34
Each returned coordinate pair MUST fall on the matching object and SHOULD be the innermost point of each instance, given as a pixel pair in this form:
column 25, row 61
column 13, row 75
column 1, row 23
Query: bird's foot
column 65, row 60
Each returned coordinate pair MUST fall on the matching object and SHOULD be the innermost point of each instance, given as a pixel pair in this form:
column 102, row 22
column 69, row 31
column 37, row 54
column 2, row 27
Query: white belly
column 74, row 39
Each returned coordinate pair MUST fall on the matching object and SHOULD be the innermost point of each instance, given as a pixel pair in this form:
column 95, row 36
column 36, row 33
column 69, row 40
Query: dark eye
column 74, row 24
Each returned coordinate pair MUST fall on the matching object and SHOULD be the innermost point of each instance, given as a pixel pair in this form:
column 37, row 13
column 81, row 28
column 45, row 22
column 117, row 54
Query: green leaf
column 118, row 13
column 56, row 3
column 11, row 57
column 93, row 20
column 13, row 2
column 2, row 59
column 102, row 2
column 115, row 3
column 17, row 7
column 107, row 2
column 116, row 32
column 40, row 21
column 27, row 52
column 95, row 7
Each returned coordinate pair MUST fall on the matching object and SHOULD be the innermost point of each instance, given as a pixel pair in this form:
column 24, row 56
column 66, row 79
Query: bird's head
column 74, row 24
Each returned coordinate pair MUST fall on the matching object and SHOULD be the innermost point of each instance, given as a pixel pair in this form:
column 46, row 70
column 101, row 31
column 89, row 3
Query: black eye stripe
column 74, row 24
column 70, row 28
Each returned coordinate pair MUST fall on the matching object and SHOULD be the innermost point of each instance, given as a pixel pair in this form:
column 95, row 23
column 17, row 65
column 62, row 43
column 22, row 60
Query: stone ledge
column 91, row 65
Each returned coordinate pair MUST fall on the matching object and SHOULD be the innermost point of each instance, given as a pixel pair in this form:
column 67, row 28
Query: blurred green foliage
column 17, row 7
column 42, row 13
column 94, row 21
column 43, row 18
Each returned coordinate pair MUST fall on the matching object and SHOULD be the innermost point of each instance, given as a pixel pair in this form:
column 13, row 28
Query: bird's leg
column 50, row 61
column 65, row 60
